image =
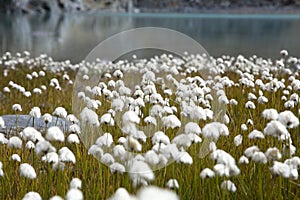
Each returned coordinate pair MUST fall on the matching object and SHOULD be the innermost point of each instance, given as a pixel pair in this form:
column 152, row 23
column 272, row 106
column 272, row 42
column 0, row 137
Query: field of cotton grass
column 190, row 128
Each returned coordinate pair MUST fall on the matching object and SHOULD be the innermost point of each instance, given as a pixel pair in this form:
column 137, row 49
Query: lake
column 73, row 36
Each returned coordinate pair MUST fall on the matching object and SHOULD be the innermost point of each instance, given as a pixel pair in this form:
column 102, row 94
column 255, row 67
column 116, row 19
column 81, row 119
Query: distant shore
column 241, row 10
column 155, row 6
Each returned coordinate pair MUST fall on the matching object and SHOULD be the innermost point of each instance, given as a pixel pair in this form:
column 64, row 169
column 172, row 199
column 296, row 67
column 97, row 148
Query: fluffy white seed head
column 228, row 185
column 172, row 184
column 32, row 196
column 75, row 183
column 74, row 194
column 153, row 192
column 55, row 134
column 27, row 171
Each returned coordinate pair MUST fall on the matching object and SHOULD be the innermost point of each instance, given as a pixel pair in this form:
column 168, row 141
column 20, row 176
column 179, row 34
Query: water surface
column 72, row 36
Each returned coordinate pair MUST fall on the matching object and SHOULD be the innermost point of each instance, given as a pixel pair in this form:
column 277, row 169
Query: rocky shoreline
column 154, row 6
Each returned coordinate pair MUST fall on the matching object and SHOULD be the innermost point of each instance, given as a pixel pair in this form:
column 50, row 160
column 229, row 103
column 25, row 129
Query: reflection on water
column 72, row 36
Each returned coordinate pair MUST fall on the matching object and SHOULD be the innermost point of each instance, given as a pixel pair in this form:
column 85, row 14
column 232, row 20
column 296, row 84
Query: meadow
column 189, row 150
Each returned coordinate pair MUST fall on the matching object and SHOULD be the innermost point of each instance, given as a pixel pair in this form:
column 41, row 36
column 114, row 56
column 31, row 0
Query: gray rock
column 25, row 121
column 43, row 6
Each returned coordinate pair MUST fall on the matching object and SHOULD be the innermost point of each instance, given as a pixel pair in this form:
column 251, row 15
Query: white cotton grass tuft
column 228, row 185
column 293, row 162
column 96, row 151
column 284, row 53
column 74, row 194
column 51, row 157
column 281, row 169
column 244, row 160
column 66, row 155
column 233, row 102
column 244, row 127
column 272, row 154
column 224, row 158
column 250, row 105
column 194, row 138
column 172, row 184
column 214, row 130
column 47, row 118
column 30, row 145
column 153, row 192
column 212, row 147
column 255, row 134
column 2, row 123
column 122, row 140
column 75, row 183
column 130, row 117
column 117, row 104
column 89, row 116
column 73, row 139
column 17, row 107
column 105, row 140
column 270, row 114
column 182, row 140
column 288, row 119
column 250, row 122
column 15, row 157
column 226, row 119
column 27, row 171
column 150, row 120
column 132, row 144
column 74, row 128
column 107, row 119
column 3, row 139
column 119, row 152
column 131, row 129
column 250, row 151
column 117, row 167
column 35, row 112
column 58, row 166
column 32, row 196
column 139, row 157
column 1, row 170
column 262, row 100
column 160, row 137
column 107, row 159
column 14, row 142
column 171, row 121
column 31, row 134
column 60, row 112
column 184, row 157
column 151, row 158
column 276, row 129
column 251, row 96
column 56, row 197
column 55, row 134
column 37, row 91
column 238, row 140
column 122, row 194
column 222, row 170
column 207, row 173
column 72, row 119
column 289, row 104
column 193, row 128
column 289, row 149
column 6, row 89
column 43, row 147
column 140, row 173
column 259, row 157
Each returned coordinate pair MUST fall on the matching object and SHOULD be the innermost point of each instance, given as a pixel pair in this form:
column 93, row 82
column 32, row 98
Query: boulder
column 26, row 120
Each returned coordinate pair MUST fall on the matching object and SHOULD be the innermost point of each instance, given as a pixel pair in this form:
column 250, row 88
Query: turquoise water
column 72, row 36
